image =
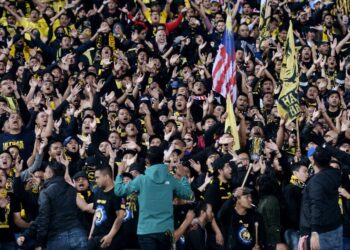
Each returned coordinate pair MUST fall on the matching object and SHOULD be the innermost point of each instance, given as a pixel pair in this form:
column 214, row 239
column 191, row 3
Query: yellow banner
column 288, row 102
column 230, row 123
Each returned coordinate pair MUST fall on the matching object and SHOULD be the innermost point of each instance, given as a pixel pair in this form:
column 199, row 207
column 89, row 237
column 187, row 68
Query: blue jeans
column 292, row 237
column 332, row 240
column 74, row 239
column 156, row 241
column 346, row 243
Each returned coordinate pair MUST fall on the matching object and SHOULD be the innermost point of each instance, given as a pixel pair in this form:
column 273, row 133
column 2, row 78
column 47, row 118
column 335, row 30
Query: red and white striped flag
column 224, row 69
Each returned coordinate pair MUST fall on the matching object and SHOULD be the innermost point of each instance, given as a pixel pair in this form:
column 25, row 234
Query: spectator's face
column 11, row 20
column 155, row 142
column 302, row 174
column 206, row 4
column 243, row 31
column 242, row 103
column 5, row 161
column 113, row 107
column 333, row 100
column 114, row 139
column 198, row 88
column 278, row 66
column 131, row 130
column 7, row 87
column 324, row 49
column 14, row 152
column 64, row 20
column 245, row 201
column 81, row 184
column 41, row 119
column 15, row 122
column 267, row 87
column 56, row 150
column 180, row 103
column 155, row 17
column 218, row 111
column 101, row 179
column 268, row 99
column 283, row 35
column 247, row 10
column 312, row 93
column 189, row 141
column 47, row 88
column 220, row 27
column 2, row 67
column 292, row 140
column 209, row 213
column 65, row 43
column 34, row 15
column 306, row 53
column 103, row 148
column 182, row 91
column 3, row 179
column 106, row 53
column 331, row 62
column 328, row 21
column 142, row 57
column 215, row 7
column 243, row 158
column 20, row 71
column 86, row 129
column 123, row 116
column 239, row 55
column 226, row 171
column 250, row 66
column 199, row 39
column 57, row 73
column 208, row 123
column 161, row 36
column 73, row 146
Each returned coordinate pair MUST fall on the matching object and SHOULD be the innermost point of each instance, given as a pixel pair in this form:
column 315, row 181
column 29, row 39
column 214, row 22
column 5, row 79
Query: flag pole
column 298, row 133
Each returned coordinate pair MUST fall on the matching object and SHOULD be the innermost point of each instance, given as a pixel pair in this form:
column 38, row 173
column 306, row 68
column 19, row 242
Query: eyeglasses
column 187, row 140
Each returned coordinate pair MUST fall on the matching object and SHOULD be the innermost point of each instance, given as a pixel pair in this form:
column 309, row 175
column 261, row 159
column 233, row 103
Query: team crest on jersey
column 244, row 236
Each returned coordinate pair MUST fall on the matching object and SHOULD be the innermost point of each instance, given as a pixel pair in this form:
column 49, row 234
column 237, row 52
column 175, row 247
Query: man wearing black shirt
column 196, row 238
column 238, row 220
column 218, row 191
column 109, row 215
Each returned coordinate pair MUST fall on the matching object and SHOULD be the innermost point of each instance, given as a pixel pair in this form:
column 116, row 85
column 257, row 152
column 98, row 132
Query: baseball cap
column 79, row 174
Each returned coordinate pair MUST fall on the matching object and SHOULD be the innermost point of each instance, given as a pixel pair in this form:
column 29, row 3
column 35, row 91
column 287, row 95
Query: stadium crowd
column 112, row 138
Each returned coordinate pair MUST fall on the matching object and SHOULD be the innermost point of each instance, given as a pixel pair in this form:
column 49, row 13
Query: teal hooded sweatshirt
column 156, row 190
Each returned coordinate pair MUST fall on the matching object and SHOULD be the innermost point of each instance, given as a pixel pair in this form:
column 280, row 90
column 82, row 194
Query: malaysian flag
column 224, row 69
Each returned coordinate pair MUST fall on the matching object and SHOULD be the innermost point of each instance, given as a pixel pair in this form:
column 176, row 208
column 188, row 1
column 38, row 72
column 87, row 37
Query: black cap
column 91, row 161
column 79, row 174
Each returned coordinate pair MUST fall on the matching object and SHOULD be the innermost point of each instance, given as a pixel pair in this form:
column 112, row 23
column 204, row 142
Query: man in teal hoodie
column 156, row 190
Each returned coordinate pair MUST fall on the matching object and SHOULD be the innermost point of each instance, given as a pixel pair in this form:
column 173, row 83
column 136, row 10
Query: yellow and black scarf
column 296, row 182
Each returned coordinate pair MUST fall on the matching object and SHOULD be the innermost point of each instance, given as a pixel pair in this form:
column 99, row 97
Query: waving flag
column 224, row 69
column 288, row 103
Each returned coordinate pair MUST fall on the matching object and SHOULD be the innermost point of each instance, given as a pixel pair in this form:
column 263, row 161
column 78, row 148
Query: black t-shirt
column 6, row 219
column 196, row 239
column 217, row 193
column 106, row 205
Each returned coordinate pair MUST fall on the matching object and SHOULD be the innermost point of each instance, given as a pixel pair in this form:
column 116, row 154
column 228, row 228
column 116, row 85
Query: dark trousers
column 95, row 243
column 156, row 241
